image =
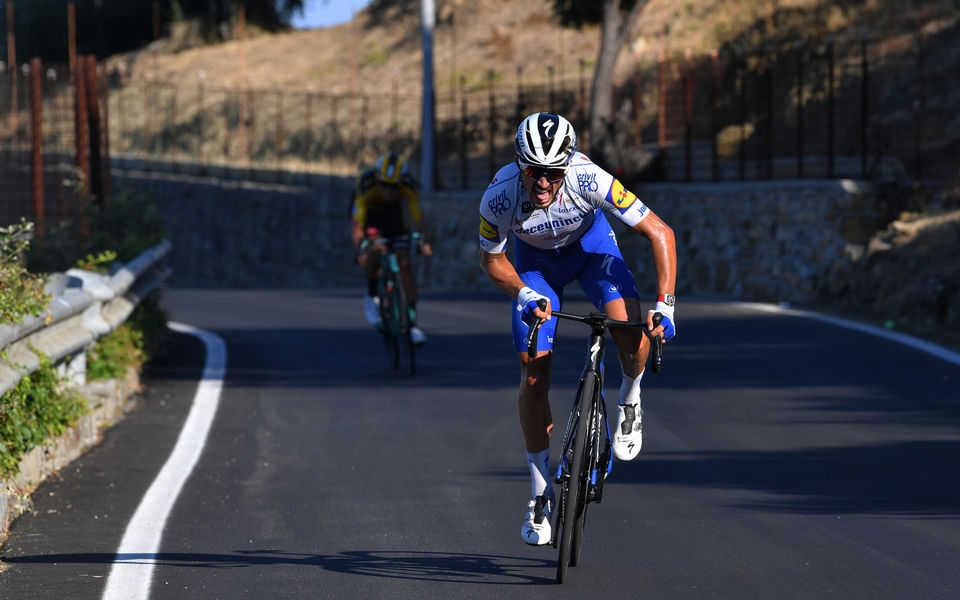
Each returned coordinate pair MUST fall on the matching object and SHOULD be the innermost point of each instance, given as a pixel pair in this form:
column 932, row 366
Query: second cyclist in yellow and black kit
column 386, row 205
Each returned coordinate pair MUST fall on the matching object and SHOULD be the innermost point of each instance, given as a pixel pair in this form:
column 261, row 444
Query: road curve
column 783, row 457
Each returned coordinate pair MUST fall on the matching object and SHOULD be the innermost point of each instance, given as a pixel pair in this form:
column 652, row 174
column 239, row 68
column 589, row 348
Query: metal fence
column 807, row 110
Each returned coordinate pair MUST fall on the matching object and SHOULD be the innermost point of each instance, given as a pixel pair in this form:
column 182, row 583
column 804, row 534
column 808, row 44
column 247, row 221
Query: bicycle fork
column 600, row 460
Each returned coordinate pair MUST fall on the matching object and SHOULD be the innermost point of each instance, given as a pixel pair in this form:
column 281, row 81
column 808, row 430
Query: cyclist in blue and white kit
column 553, row 200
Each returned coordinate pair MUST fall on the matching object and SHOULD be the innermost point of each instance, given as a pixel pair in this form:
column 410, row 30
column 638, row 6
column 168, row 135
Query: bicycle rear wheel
column 573, row 497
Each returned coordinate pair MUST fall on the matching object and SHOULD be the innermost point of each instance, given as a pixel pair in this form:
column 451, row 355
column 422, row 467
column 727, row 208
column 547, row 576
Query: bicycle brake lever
column 534, row 332
column 656, row 362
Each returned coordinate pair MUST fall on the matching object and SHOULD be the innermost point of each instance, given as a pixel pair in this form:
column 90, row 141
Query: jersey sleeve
column 413, row 204
column 493, row 228
column 360, row 209
column 605, row 191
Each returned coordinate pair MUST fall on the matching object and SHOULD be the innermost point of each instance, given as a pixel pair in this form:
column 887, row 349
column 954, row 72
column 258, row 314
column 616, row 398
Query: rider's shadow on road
column 452, row 567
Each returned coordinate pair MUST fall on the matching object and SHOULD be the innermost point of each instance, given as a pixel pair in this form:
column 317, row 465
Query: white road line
column 918, row 344
column 132, row 570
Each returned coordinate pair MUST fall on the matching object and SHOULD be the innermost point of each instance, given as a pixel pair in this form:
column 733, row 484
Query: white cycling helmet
column 546, row 140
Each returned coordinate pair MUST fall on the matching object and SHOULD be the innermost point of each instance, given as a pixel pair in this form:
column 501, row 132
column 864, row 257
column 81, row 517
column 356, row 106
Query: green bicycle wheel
column 405, row 353
column 389, row 319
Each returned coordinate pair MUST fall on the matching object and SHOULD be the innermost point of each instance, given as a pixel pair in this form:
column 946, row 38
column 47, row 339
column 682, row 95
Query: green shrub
column 21, row 292
column 130, row 344
column 114, row 353
column 37, row 408
column 127, row 224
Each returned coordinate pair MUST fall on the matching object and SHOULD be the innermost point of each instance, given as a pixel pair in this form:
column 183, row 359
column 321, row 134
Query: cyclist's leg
column 371, row 265
column 609, row 284
column 535, row 373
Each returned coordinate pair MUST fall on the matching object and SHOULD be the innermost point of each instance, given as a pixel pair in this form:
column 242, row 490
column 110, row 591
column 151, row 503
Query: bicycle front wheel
column 389, row 319
column 405, row 340
column 589, row 463
column 574, row 496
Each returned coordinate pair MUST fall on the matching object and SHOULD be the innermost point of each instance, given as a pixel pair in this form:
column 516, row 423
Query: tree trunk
column 614, row 34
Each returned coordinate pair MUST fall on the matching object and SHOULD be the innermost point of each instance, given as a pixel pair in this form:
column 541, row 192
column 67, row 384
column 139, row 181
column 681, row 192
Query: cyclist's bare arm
column 664, row 246
column 502, row 273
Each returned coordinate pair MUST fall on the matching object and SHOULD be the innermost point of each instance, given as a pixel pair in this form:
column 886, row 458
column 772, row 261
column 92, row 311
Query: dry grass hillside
column 902, row 280
column 915, row 47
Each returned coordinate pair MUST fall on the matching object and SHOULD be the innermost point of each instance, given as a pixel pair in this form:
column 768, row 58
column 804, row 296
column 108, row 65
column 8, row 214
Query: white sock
column 630, row 389
column 539, row 465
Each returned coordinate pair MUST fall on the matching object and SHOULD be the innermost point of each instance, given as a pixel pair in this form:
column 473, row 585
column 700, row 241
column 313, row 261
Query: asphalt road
column 783, row 458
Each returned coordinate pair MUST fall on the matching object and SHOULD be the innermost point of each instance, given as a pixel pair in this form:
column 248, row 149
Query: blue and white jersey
column 506, row 207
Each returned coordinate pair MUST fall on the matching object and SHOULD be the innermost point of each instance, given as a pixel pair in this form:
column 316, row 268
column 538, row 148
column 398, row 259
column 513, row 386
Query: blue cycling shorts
column 595, row 261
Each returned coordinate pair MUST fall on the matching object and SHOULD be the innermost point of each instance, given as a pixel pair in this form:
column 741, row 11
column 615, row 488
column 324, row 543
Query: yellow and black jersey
column 393, row 217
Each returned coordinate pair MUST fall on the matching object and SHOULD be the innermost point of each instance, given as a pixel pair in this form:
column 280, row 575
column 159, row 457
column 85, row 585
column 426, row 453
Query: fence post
column 582, row 126
column 742, row 147
column 107, row 174
column 771, row 115
column 714, row 99
column 661, row 103
column 81, row 125
column 36, row 106
column 919, row 108
column 638, row 104
column 201, row 79
column 394, row 112
column 278, row 134
column 551, row 94
column 687, row 85
column 88, row 70
column 864, row 71
column 830, row 115
column 12, row 65
column 521, row 101
column 492, row 153
column 800, row 99
column 464, row 168
column 308, row 136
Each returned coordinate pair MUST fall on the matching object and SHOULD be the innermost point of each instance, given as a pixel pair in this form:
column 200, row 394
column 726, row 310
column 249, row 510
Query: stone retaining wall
column 765, row 241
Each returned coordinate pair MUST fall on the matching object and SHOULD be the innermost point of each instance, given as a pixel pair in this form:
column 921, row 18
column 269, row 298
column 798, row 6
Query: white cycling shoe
column 371, row 309
column 629, row 435
column 536, row 523
column 418, row 337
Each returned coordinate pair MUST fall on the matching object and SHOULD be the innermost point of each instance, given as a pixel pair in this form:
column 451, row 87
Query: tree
column 617, row 18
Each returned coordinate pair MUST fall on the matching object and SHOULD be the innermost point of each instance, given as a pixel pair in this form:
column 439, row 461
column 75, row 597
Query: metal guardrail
column 85, row 306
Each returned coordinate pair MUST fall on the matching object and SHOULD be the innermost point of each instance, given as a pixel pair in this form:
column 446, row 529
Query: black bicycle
column 396, row 320
column 585, row 457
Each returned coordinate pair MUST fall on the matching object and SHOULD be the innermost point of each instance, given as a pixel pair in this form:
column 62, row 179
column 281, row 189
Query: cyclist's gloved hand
column 669, row 326
column 527, row 303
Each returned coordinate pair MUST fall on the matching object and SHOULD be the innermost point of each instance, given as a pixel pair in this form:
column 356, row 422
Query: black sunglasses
column 553, row 175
